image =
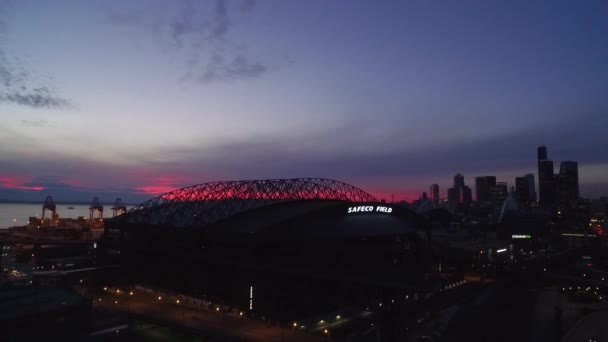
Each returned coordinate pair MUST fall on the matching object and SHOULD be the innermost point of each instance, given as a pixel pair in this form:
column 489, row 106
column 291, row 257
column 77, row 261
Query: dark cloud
column 239, row 67
column 35, row 123
column 202, row 37
column 35, row 98
column 17, row 86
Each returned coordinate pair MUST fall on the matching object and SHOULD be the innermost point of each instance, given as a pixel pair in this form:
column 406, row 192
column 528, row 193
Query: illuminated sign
column 501, row 250
column 521, row 236
column 250, row 297
column 578, row 235
column 370, row 208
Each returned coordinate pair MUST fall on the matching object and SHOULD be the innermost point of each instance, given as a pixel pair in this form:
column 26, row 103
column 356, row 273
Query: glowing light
column 250, row 297
column 160, row 298
column 501, row 250
column 370, row 208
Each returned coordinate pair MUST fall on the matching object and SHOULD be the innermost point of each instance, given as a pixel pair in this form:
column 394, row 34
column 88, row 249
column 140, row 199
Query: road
column 219, row 325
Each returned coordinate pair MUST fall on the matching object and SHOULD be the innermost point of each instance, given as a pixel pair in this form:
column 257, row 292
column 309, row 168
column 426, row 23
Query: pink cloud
column 18, row 182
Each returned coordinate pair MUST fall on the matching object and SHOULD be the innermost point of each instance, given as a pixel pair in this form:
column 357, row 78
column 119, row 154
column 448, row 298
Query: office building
column 434, row 191
column 546, row 180
column 482, row 187
column 460, row 194
column 498, row 194
column 568, row 183
column 525, row 190
column 459, row 181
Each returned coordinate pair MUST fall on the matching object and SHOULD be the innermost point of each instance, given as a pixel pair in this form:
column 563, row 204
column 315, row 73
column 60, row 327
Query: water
column 18, row 214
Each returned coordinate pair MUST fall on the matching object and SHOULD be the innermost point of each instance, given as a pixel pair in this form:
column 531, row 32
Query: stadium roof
column 204, row 204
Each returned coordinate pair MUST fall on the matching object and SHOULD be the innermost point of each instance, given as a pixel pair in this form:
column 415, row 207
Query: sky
column 135, row 98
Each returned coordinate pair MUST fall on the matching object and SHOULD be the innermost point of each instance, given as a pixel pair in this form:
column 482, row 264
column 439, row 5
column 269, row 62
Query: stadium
column 306, row 245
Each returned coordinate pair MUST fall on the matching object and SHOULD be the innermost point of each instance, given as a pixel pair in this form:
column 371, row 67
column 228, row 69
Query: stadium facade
column 305, row 245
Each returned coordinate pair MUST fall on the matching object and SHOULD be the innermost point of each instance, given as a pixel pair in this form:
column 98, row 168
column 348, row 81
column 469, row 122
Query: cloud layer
column 17, row 86
column 202, row 36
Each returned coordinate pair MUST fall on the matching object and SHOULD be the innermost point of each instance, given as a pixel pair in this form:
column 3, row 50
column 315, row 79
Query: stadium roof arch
column 203, row 204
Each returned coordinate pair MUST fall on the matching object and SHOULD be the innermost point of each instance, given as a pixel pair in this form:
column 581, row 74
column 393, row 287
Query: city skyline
column 146, row 97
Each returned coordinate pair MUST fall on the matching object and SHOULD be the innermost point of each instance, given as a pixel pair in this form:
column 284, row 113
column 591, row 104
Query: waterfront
column 18, row 214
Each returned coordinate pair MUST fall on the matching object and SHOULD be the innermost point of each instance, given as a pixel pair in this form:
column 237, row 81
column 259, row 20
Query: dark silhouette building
column 460, row 194
column 546, row 179
column 459, row 181
column 453, row 198
column 434, row 192
column 568, row 183
column 525, row 190
column 482, row 187
column 541, row 152
column 498, row 194
column 467, row 195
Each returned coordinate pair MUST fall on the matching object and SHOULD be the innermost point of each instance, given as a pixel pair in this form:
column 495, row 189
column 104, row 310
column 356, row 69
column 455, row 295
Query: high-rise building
column 531, row 187
column 453, row 198
column 434, row 191
column 541, row 152
column 482, row 187
column 525, row 190
column 460, row 193
column 546, row 179
column 568, row 183
column 459, row 181
column 498, row 194
column 466, row 195
column 424, row 197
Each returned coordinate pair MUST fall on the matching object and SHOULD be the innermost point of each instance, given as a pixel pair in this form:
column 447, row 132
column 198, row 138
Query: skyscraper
column 466, row 195
column 525, row 190
column 531, row 187
column 482, row 187
column 546, row 179
column 541, row 152
column 498, row 194
column 460, row 193
column 459, row 181
column 434, row 192
column 453, row 198
column 568, row 183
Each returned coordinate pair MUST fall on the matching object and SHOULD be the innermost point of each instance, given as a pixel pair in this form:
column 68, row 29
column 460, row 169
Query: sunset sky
column 135, row 98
